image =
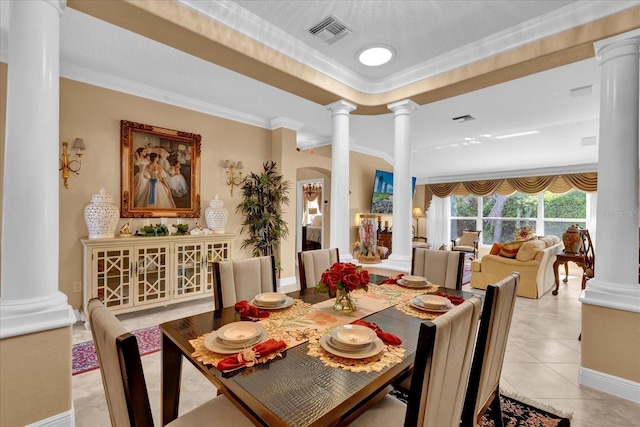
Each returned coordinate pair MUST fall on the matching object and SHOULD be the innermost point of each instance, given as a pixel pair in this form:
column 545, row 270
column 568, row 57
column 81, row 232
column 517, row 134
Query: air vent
column 462, row 119
column 330, row 30
column 589, row 140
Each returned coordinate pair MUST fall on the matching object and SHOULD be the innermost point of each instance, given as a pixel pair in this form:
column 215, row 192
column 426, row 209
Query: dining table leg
column 171, row 375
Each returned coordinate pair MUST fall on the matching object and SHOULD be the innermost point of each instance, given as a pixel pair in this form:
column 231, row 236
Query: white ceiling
column 428, row 36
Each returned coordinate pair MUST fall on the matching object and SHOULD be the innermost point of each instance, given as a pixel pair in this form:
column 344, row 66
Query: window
column 499, row 216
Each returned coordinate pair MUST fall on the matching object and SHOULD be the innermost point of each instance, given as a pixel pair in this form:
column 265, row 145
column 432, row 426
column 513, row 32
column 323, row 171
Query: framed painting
column 160, row 172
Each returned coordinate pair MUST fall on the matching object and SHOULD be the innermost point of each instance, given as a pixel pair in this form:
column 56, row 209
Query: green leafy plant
column 263, row 197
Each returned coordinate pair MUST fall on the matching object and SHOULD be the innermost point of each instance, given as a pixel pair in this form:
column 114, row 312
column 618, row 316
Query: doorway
column 310, row 216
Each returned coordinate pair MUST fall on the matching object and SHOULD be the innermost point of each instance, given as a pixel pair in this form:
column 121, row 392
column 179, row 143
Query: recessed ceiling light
column 375, row 55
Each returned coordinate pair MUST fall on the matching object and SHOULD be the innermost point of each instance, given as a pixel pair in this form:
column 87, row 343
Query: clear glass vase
column 344, row 303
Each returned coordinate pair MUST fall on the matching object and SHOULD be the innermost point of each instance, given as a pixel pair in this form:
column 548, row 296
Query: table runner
column 303, row 322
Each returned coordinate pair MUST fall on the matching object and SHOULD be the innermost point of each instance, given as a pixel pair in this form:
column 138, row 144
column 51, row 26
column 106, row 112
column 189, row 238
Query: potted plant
column 263, row 197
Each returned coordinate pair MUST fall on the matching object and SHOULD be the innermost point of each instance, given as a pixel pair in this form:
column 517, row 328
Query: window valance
column 586, row 182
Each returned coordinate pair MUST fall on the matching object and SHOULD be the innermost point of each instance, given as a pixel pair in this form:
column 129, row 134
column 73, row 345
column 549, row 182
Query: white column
column 30, row 300
column 615, row 283
column 339, row 203
column 401, row 255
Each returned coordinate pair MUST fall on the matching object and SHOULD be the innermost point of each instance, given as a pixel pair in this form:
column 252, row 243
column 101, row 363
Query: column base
column 612, row 295
column 616, row 386
column 29, row 316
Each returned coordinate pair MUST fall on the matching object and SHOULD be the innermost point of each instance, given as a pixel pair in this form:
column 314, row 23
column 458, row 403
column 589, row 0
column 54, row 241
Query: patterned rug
column 515, row 413
column 84, row 354
column 466, row 274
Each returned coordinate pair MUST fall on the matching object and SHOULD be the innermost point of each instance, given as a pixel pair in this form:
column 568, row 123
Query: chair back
column 443, row 268
column 441, row 367
column 121, row 368
column 311, row 265
column 243, row 279
column 493, row 333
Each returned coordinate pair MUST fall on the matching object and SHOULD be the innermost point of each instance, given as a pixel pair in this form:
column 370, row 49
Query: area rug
column 466, row 274
column 84, row 354
column 515, row 413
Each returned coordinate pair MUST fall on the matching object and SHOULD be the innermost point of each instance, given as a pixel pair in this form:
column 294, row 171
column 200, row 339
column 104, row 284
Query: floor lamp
column 417, row 213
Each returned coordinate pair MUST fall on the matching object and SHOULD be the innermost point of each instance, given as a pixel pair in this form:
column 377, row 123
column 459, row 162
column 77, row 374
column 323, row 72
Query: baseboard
column 616, row 386
column 64, row 419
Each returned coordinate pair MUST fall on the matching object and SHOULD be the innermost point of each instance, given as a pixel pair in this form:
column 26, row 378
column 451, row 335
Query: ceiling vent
column 589, row 140
column 462, row 119
column 330, row 30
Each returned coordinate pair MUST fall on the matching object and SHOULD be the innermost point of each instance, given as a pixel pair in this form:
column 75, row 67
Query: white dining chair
column 440, row 374
column 484, row 380
column 443, row 268
column 124, row 384
column 311, row 265
column 242, row 279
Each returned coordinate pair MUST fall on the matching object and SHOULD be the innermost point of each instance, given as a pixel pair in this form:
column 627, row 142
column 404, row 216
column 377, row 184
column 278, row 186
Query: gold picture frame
column 160, row 175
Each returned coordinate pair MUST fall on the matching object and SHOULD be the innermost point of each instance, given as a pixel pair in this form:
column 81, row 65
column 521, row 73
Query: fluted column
column 339, row 205
column 615, row 283
column 30, row 300
column 402, row 195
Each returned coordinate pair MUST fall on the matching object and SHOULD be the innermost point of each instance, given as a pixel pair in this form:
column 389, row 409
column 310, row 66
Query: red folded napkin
column 250, row 355
column 392, row 280
column 455, row 300
column 386, row 337
column 248, row 311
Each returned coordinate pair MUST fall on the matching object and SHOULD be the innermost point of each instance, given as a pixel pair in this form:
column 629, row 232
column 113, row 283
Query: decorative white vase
column 101, row 216
column 216, row 215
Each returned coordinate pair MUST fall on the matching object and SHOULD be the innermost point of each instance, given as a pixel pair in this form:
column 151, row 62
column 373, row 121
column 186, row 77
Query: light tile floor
column 541, row 363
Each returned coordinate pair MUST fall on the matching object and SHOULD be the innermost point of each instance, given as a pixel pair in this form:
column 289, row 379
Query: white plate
column 238, row 333
column 338, row 345
column 414, row 280
column 353, row 336
column 375, row 347
column 402, row 282
column 270, row 298
column 213, row 343
column 288, row 302
column 416, row 304
column 433, row 301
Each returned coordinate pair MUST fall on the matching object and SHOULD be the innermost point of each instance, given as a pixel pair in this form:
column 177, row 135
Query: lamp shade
column 227, row 164
column 78, row 145
column 417, row 212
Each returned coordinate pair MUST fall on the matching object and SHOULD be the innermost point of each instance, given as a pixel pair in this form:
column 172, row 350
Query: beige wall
column 36, row 377
column 611, row 341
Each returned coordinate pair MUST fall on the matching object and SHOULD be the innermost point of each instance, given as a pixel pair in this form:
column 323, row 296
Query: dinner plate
column 416, row 304
column 375, row 347
column 402, row 282
column 239, row 333
column 344, row 347
column 433, row 301
column 414, row 280
column 353, row 336
column 288, row 302
column 270, row 299
column 215, row 344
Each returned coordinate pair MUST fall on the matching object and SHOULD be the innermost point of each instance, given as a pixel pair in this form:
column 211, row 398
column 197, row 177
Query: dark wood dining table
column 295, row 390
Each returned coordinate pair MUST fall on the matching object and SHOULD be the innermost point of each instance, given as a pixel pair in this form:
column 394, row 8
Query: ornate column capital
column 628, row 41
column 406, row 106
column 341, row 107
column 59, row 5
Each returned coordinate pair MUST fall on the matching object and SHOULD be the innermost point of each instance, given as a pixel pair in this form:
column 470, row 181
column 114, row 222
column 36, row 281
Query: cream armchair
column 467, row 243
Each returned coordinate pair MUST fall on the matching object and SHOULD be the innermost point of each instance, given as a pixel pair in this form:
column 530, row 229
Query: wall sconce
column 229, row 168
column 74, row 166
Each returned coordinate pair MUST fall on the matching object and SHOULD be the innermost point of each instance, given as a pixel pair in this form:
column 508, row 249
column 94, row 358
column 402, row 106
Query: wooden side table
column 565, row 258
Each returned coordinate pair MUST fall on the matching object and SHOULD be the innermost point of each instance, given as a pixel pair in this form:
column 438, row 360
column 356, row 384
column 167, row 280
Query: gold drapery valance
column 586, row 182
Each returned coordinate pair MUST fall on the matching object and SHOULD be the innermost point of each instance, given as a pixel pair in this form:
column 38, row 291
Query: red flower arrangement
column 344, row 276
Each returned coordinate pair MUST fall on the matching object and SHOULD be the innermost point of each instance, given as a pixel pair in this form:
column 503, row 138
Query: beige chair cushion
column 218, row 411
column 439, row 267
column 243, row 279
column 317, row 262
column 529, row 249
column 468, row 238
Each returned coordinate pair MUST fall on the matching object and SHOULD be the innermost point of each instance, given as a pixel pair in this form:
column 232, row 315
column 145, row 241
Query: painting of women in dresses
column 160, row 172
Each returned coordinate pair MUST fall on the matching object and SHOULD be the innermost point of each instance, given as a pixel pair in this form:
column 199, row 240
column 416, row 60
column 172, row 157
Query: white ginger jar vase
column 101, row 216
column 216, row 215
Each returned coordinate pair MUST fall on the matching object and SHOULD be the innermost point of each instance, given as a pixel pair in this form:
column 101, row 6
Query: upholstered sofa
column 536, row 275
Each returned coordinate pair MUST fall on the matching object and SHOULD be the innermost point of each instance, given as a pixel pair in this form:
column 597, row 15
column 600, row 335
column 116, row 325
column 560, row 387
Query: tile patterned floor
column 541, row 363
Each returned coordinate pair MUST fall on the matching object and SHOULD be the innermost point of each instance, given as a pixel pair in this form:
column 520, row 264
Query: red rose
column 364, row 277
column 338, row 267
column 332, row 279
column 352, row 281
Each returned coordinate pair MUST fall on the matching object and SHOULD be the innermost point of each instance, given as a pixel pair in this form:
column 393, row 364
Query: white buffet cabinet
column 135, row 273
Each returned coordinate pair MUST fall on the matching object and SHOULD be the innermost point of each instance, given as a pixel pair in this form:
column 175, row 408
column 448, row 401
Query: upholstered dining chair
column 242, row 279
column 467, row 242
column 123, row 379
column 443, row 268
column 484, row 390
column 311, row 265
column 440, row 374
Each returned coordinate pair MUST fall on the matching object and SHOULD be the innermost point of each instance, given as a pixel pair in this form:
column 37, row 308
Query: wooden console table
column 565, row 258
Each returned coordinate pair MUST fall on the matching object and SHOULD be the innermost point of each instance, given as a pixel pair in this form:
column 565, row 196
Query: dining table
column 305, row 386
